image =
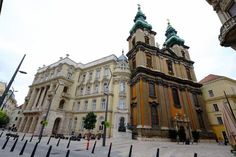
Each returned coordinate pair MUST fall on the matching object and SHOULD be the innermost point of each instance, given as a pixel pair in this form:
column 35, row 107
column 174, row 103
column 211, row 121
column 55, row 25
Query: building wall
column 218, row 86
column 66, row 90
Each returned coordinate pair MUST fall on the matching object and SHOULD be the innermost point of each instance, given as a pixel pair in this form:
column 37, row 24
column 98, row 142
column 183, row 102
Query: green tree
column 90, row 121
column 4, row 119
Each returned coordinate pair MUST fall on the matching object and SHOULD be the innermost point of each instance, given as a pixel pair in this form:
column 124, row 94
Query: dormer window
column 146, row 38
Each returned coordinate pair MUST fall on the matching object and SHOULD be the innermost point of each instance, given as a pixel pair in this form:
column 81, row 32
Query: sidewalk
column 120, row 148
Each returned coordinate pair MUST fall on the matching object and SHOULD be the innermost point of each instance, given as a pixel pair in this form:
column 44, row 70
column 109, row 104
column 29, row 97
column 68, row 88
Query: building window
column 154, row 115
column 210, row 92
column 94, row 105
column 61, row 104
column 65, row 89
column 121, row 104
column 81, row 90
column 88, row 90
column 232, row 10
column 216, row 108
column 152, row 92
column 149, row 61
column 219, row 119
column 90, row 75
column 134, row 63
column 133, row 42
column 106, row 72
column 78, row 106
column 69, row 75
column 105, row 87
column 84, row 75
column 85, row 105
column 170, row 67
column 96, row 88
column 103, row 104
column 176, row 97
column 146, row 38
column 16, row 118
column 195, row 100
column 188, row 73
column 97, row 74
column 122, row 86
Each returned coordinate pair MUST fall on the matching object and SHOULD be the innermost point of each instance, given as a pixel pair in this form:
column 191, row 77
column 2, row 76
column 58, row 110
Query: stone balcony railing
column 33, row 110
column 226, row 32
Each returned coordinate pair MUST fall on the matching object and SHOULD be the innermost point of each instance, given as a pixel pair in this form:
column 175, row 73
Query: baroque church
column 165, row 94
column 152, row 91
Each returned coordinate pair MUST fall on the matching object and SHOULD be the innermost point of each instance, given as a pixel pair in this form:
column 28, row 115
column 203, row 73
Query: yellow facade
column 213, row 92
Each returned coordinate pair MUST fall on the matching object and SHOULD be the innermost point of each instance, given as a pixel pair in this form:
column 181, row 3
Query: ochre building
column 165, row 94
column 215, row 89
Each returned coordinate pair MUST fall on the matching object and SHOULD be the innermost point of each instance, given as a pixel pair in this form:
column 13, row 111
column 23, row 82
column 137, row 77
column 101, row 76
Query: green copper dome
column 172, row 37
column 139, row 22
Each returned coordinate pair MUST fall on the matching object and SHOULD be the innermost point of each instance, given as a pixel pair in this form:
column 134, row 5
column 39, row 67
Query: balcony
column 34, row 110
column 227, row 35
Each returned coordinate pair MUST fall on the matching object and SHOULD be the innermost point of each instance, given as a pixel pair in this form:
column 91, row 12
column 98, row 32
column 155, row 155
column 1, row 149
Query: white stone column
column 36, row 98
column 31, row 99
column 41, row 96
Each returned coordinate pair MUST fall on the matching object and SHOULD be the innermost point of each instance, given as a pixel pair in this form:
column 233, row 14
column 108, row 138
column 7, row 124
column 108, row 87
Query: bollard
column 130, row 151
column 23, row 148
column 195, row 154
column 3, row 147
column 94, row 146
column 68, row 145
column 31, row 137
column 68, row 153
column 49, row 151
column 87, row 147
column 109, row 152
column 49, row 140
column 157, row 155
column 14, row 145
column 34, row 150
column 1, row 134
column 58, row 141
column 23, row 137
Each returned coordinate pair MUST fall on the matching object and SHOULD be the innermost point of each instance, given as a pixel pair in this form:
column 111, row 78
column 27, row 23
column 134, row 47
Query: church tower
column 165, row 95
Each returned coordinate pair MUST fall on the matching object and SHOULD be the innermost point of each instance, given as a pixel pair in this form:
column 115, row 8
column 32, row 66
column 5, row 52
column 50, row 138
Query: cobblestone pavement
column 120, row 148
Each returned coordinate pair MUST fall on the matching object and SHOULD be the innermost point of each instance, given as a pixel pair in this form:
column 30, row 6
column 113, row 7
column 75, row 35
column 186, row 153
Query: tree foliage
column 90, row 121
column 4, row 119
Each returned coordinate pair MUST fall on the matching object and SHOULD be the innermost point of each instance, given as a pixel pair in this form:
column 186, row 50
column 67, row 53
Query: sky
column 46, row 30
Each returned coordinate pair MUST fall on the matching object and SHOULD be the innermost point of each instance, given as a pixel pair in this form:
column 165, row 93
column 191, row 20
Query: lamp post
column 11, row 81
column 9, row 97
column 46, row 116
column 104, row 125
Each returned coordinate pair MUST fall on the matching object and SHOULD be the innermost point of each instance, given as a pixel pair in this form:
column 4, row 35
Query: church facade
column 165, row 94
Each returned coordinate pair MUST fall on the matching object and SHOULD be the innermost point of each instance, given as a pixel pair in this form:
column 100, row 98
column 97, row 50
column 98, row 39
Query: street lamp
column 11, row 81
column 46, row 116
column 107, row 94
column 9, row 97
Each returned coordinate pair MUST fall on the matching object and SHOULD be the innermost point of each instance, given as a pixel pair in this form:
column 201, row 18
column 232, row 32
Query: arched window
column 176, row 97
column 154, row 116
column 61, row 104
